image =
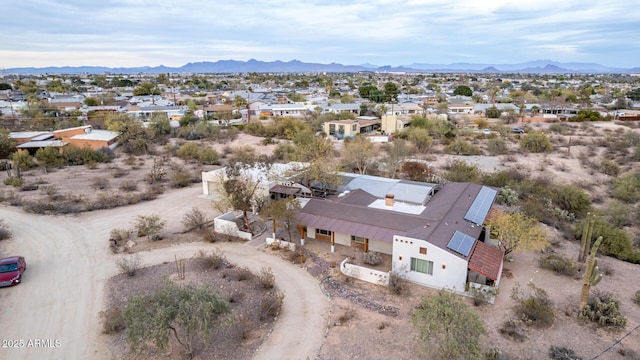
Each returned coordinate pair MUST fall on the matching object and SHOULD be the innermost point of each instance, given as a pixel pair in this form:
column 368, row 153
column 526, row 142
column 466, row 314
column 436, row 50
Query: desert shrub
column 129, row 264
column 497, row 146
column 418, row 171
column 180, row 178
column 117, row 237
column 461, row 171
column 627, row 188
column 513, row 329
column 507, row 196
column 118, row 173
column 212, row 260
column 572, row 199
column 562, row 353
column 149, row 225
column 616, row 243
column 128, row 186
column 536, row 142
column 620, row 214
column 13, row 181
column 209, row 235
column 208, row 156
column 242, row 274
column 461, row 147
column 398, row 285
column 535, row 308
column 271, row 305
column 559, row 264
column 99, row 183
column 603, row 309
column 298, row 256
column 348, row 314
column 5, row 232
column 194, row 219
column 266, row 278
column 636, row 299
column 74, row 155
column 371, row 258
column 609, row 167
column 112, row 320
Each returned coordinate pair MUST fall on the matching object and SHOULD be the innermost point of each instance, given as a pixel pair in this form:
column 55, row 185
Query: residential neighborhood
column 360, row 195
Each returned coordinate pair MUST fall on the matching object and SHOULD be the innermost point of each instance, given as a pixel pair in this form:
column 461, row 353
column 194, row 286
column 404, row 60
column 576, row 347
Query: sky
column 129, row 33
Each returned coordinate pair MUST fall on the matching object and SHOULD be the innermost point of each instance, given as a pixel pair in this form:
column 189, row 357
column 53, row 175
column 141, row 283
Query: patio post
column 333, row 242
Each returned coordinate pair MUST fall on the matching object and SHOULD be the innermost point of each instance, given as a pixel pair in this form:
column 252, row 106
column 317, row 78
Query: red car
column 11, row 269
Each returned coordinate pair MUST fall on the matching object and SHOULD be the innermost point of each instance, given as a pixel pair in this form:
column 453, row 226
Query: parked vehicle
column 11, row 270
column 486, row 131
column 518, row 130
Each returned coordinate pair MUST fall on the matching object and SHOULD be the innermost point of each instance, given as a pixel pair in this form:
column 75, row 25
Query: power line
column 616, row 342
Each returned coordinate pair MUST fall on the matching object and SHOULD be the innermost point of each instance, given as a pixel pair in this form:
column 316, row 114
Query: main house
column 434, row 233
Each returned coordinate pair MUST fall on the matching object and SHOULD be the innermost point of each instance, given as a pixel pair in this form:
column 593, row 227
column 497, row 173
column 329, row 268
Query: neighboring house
column 275, row 176
column 293, row 110
column 349, row 128
column 148, row 112
column 393, row 123
column 340, row 108
column 219, row 110
column 83, row 136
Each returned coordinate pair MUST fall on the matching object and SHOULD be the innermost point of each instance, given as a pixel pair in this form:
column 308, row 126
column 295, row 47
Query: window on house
column 341, row 129
column 357, row 239
column 323, row 232
column 423, row 251
column 422, row 266
column 332, row 129
column 354, row 127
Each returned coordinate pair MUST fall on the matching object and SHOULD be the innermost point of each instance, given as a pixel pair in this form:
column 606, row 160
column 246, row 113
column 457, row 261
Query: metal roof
column 486, row 260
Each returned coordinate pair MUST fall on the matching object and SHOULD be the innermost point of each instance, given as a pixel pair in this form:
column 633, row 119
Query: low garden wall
column 360, row 272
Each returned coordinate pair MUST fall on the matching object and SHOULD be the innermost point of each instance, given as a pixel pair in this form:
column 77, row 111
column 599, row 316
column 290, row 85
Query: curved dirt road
column 53, row 314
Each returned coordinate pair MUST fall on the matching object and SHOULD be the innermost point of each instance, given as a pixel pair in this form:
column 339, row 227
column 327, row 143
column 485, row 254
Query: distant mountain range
column 295, row 66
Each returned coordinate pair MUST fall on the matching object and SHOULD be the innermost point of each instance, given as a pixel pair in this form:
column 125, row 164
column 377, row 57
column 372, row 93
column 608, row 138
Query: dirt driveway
column 53, row 314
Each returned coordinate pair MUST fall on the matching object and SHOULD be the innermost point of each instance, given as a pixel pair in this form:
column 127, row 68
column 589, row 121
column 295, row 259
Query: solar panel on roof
column 461, row 243
column 481, row 205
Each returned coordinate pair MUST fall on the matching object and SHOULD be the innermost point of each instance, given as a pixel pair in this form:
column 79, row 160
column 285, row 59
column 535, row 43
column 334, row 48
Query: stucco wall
column 360, row 272
column 342, row 239
column 225, row 224
column 452, row 277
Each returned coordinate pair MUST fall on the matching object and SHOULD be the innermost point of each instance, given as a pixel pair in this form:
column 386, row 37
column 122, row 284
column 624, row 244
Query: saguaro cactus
column 591, row 275
column 585, row 242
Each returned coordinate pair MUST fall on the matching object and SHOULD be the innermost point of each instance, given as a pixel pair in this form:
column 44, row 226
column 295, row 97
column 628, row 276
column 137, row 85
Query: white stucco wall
column 363, row 273
column 453, row 277
column 380, row 246
column 342, row 239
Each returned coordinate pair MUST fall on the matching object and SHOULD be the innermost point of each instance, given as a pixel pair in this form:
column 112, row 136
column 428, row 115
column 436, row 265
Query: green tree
column 49, row 157
column 493, row 112
column 463, row 90
column 359, row 154
column 5, row 86
column 283, row 214
column 188, row 312
column 396, row 152
column 536, row 142
column 146, row 88
column 238, row 191
column 449, row 328
column 91, row 101
column 391, row 92
column 310, row 147
column 420, row 138
column 21, row 160
column 516, row 231
column 586, row 115
column 7, row 144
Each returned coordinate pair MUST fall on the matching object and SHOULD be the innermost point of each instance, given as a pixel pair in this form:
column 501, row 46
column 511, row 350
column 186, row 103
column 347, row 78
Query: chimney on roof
column 388, row 200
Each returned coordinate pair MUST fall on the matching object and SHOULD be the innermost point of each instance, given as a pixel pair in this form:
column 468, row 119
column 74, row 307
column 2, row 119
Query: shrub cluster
column 559, row 264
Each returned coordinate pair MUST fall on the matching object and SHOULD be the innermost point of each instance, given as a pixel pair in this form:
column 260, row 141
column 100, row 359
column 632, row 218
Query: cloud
column 152, row 32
